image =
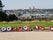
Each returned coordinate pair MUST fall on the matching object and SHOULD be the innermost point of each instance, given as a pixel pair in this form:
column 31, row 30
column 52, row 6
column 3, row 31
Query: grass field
column 45, row 24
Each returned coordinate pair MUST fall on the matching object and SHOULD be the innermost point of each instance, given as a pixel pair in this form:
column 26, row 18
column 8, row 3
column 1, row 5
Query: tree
column 33, row 17
column 2, row 16
column 12, row 17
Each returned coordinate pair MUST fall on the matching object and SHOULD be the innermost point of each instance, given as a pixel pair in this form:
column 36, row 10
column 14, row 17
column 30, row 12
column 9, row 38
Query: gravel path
column 26, row 36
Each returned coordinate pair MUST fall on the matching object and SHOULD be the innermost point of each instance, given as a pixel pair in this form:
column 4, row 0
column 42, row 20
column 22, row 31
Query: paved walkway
column 26, row 36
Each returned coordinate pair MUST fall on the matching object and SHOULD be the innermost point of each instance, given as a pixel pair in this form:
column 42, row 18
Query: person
column 36, row 28
column 25, row 28
column 9, row 28
column 3, row 29
column 51, row 28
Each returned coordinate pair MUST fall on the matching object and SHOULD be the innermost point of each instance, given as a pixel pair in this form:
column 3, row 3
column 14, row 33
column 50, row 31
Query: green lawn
column 45, row 24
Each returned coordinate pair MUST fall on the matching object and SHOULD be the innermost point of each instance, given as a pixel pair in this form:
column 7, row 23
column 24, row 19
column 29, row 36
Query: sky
column 25, row 4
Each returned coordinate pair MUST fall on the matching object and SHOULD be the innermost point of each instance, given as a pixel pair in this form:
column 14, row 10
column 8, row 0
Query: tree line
column 5, row 17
